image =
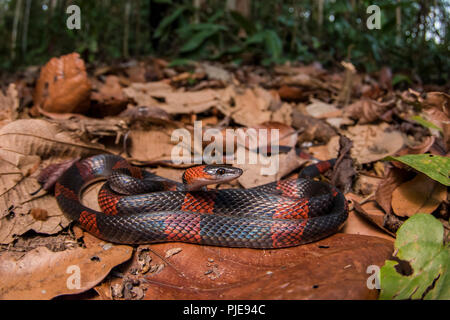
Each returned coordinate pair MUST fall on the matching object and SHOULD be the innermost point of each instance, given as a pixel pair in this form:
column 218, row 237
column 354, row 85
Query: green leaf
column 401, row 78
column 273, row 44
column 197, row 39
column 181, row 63
column 168, row 20
column 216, row 16
column 256, row 38
column 419, row 243
column 436, row 167
column 426, row 123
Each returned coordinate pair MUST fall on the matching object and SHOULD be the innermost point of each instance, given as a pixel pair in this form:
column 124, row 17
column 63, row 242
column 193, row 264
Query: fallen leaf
column 215, row 72
column 147, row 145
column 420, row 268
column 383, row 195
column 385, row 78
column 109, row 100
column 366, row 219
column 333, row 268
column 291, row 93
column 43, row 138
column 24, row 144
column 434, row 166
column 438, row 100
column 9, row 104
column 312, row 129
column 43, row 274
column 371, row 142
column 63, row 85
column 267, row 168
column 16, row 206
column 250, row 107
column 368, row 110
column 172, row 101
column 419, row 195
column 343, row 172
column 319, row 109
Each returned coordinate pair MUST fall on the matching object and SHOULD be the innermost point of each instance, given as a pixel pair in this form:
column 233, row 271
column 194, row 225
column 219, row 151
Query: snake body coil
column 279, row 214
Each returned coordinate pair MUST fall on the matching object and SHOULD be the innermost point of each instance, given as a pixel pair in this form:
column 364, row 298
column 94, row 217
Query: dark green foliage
column 277, row 31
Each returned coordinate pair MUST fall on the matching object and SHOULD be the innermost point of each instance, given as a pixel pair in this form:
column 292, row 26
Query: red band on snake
column 279, row 214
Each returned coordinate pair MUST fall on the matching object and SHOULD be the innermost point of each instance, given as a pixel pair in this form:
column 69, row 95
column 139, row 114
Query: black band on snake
column 280, row 214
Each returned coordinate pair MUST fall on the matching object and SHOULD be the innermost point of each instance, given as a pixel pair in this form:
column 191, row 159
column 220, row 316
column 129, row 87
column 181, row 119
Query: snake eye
column 220, row 171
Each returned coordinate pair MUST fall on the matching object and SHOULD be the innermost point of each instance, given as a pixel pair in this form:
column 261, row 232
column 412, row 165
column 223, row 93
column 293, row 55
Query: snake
column 140, row 207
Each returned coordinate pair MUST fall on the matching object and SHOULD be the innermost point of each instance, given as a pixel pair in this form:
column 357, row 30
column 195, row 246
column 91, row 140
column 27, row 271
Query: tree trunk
column 398, row 22
column 15, row 28
column 25, row 28
column 241, row 6
column 126, row 30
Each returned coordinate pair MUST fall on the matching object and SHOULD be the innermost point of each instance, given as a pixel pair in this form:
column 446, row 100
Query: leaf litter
column 132, row 109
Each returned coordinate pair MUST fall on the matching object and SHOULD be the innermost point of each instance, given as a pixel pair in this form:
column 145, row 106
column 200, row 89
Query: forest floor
column 392, row 141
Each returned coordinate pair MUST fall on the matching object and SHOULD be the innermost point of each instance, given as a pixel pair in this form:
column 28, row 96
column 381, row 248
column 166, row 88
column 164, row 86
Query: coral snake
column 280, row 214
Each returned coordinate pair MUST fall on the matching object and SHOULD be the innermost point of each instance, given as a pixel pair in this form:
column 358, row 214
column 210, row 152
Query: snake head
column 197, row 177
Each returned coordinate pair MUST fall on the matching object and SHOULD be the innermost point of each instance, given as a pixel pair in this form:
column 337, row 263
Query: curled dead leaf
column 419, row 195
column 438, row 100
column 368, row 110
column 43, row 274
column 63, row 86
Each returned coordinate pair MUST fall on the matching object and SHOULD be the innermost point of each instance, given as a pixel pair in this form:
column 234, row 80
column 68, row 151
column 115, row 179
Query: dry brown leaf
column 63, row 86
column 319, row 109
column 283, row 114
column 109, row 99
column 370, row 142
column 366, row 219
column 383, row 194
column 303, row 80
column 136, row 73
column 321, row 152
column 366, row 184
column 368, row 110
column 359, row 225
column 344, row 172
column 419, row 195
column 287, row 136
column 9, row 104
column 312, row 129
column 334, row 268
column 385, row 78
column 313, row 69
column 250, row 107
column 438, row 100
column 147, row 115
column 43, row 274
column 254, row 176
column 15, row 206
column 215, row 72
column 42, row 138
column 419, row 148
column 150, row 145
column 291, row 93
column 162, row 95
column 141, row 92
column 23, row 143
